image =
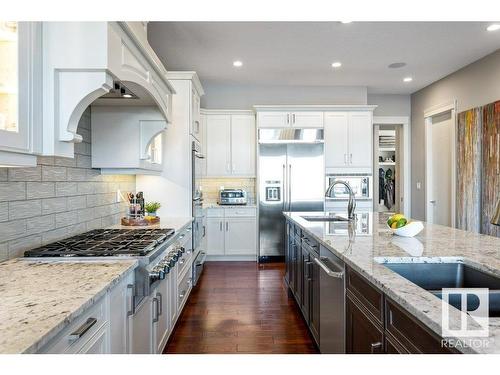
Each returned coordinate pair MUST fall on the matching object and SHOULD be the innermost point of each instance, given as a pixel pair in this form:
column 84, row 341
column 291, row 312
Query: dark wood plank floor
column 241, row 307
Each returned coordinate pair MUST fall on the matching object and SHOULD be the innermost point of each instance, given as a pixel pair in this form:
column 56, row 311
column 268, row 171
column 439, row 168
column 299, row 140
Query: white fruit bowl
column 409, row 230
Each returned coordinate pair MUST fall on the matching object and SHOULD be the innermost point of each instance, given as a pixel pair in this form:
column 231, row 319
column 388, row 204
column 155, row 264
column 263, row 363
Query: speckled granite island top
column 38, row 299
column 436, row 243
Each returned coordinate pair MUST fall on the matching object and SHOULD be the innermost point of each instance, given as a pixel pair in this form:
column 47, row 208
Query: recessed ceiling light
column 396, row 65
column 336, row 64
column 493, row 27
column 237, row 63
column 345, row 22
column 407, row 79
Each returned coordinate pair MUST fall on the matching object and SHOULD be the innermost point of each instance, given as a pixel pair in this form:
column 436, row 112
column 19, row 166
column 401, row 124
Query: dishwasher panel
column 332, row 302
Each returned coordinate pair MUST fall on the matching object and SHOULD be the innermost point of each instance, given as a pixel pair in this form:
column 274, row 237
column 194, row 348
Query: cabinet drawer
column 215, row 212
column 370, row 297
column 185, row 260
column 184, row 289
column 240, row 212
column 412, row 336
column 86, row 326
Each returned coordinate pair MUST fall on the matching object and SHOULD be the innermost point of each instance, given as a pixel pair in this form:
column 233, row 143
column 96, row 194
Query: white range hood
column 81, row 63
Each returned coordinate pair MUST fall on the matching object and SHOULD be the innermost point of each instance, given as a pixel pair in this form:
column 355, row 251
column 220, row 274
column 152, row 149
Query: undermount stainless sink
column 436, row 276
column 325, row 218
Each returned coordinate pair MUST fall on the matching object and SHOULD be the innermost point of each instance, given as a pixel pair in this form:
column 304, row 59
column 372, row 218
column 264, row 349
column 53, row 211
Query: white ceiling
column 301, row 53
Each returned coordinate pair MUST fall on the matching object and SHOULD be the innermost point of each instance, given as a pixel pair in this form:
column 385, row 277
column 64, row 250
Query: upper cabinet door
column 218, row 145
column 243, row 145
column 360, row 139
column 307, row 119
column 20, row 78
column 195, row 120
column 336, row 139
column 274, row 119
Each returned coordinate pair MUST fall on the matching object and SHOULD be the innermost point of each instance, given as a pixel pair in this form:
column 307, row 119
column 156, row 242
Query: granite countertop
column 436, row 243
column 39, row 298
column 176, row 223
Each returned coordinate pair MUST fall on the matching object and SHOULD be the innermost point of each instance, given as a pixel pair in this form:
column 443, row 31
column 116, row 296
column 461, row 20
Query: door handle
column 132, row 300
column 293, row 116
column 345, row 158
column 284, row 189
column 155, row 310
column 375, row 347
column 350, row 158
column 288, row 118
column 220, row 226
column 433, row 201
column 289, row 187
column 204, row 231
column 328, row 271
column 83, row 329
column 160, row 302
column 227, row 226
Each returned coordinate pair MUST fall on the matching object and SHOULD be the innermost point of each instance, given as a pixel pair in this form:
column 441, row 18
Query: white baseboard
column 231, row 258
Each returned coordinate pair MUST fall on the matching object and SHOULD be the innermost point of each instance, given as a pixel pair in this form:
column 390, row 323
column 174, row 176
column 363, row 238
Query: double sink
column 433, row 277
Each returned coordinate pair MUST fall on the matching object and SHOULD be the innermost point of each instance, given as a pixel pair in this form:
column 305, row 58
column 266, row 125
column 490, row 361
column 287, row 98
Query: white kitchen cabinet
column 273, row 119
column 336, row 139
column 162, row 325
column 285, row 119
column 243, row 145
column 360, row 139
column 98, row 344
column 230, row 143
column 20, row 93
column 348, row 140
column 142, row 328
column 240, row 236
column 231, row 232
column 218, row 145
column 215, row 235
column 121, row 308
column 195, row 114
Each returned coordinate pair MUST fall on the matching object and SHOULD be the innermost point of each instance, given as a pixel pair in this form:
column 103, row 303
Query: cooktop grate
column 105, row 242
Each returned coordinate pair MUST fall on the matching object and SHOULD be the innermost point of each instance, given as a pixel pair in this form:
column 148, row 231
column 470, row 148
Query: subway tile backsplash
column 211, row 187
column 59, row 198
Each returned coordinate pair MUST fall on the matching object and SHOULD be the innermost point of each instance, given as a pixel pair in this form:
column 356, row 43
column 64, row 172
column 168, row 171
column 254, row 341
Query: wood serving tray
column 139, row 222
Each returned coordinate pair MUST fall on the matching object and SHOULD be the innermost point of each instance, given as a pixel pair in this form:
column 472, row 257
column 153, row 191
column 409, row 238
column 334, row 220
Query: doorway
column 440, row 167
column 387, row 182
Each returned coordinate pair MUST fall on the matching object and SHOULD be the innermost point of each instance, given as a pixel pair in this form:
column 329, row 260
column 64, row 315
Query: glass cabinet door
column 18, row 63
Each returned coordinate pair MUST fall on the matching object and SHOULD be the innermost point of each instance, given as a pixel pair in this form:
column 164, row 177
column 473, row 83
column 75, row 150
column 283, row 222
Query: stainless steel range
column 157, row 251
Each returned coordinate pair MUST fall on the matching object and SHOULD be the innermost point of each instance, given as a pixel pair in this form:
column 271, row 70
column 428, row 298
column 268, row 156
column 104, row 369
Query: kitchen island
column 365, row 248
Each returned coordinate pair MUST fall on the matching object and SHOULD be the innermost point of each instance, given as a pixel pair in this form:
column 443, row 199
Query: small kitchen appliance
column 232, row 197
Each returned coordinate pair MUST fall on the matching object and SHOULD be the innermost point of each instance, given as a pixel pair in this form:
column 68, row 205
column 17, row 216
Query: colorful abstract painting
column 490, row 193
column 468, row 194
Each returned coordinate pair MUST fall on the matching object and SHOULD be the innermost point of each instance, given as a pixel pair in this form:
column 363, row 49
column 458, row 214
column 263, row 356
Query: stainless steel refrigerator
column 291, row 177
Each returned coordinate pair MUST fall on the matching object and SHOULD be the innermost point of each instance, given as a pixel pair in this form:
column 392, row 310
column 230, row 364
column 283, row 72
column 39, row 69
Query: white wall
column 390, row 104
column 234, row 96
column 475, row 85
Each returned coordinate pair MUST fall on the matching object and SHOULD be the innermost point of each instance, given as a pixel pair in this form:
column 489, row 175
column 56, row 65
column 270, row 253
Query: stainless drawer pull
column 160, row 302
column 376, row 347
column 132, row 300
column 83, row 329
column 155, row 310
column 182, row 294
column 329, row 272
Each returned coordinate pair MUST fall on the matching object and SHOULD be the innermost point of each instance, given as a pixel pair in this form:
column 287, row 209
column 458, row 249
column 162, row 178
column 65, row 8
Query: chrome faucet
column 352, row 200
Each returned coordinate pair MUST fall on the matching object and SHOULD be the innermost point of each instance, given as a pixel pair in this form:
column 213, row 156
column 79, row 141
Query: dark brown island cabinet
column 374, row 324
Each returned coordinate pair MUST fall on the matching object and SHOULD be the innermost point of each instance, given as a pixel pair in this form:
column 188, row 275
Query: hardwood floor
column 241, row 307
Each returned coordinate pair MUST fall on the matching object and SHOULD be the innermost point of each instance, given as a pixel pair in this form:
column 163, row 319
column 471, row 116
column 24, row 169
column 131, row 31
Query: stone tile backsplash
column 211, row 187
column 59, row 198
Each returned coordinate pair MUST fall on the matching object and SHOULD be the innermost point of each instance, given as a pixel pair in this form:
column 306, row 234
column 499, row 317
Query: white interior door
column 440, row 144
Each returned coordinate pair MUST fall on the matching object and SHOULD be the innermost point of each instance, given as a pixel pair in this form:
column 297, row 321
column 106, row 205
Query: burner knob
column 182, row 249
column 157, row 274
column 173, row 255
column 166, row 265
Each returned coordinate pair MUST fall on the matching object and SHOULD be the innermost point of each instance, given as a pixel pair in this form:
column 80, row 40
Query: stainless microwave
column 360, row 184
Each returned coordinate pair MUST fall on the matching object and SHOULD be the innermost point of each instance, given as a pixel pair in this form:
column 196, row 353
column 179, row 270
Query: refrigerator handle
column 284, row 189
column 289, row 187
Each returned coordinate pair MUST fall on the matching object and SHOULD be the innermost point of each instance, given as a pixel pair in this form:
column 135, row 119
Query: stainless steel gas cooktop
column 105, row 242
